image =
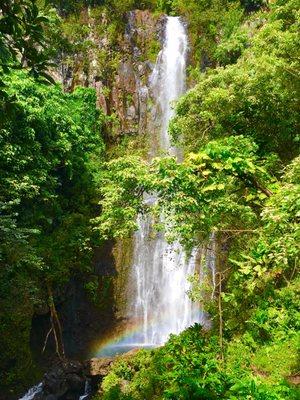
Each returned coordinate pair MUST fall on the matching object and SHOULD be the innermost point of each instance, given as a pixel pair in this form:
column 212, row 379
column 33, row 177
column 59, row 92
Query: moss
column 277, row 361
column 152, row 50
column 127, row 144
column 123, row 254
column 150, row 47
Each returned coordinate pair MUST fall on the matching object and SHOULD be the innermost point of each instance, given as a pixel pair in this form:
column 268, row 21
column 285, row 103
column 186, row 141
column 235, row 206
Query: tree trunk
column 220, row 315
column 55, row 324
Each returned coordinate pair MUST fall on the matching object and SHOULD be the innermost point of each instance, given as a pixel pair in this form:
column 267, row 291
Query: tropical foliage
column 49, row 141
column 61, row 194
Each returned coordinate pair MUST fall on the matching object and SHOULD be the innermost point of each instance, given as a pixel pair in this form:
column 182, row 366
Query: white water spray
column 169, row 76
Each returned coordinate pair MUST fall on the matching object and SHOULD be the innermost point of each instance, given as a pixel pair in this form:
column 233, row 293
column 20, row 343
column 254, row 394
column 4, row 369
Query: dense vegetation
column 240, row 180
column 50, row 146
column 47, row 198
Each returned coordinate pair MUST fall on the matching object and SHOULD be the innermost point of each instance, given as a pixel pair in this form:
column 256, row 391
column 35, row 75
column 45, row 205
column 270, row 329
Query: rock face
column 118, row 71
column 82, row 319
column 71, row 380
column 98, row 366
column 130, row 91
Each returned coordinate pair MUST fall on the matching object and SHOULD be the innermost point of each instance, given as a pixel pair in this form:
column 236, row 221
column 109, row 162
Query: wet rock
column 51, row 397
column 66, row 380
column 69, row 380
column 75, row 382
column 55, row 382
column 98, row 366
column 130, row 353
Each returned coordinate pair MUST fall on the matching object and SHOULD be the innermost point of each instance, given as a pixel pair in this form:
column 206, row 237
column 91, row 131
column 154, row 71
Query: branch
column 256, row 184
column 56, row 326
column 263, row 189
column 46, row 340
column 237, row 230
column 220, row 317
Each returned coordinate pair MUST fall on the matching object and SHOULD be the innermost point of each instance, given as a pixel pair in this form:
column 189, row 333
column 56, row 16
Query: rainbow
column 124, row 339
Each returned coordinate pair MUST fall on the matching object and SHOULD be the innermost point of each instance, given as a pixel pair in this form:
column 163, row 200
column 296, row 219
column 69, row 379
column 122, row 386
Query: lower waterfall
column 159, row 274
column 159, row 304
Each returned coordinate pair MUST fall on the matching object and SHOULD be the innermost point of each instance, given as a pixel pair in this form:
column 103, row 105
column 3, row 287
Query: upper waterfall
column 169, row 75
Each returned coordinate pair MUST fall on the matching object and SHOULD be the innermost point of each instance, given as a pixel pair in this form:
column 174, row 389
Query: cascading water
column 160, row 270
column 158, row 283
column 168, row 78
column 33, row 392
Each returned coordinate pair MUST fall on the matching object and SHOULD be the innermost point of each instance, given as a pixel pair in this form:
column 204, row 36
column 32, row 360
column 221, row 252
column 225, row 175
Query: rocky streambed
column 71, row 380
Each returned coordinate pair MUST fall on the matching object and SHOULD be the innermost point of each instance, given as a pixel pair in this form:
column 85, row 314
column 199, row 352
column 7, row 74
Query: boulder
column 98, row 366
column 65, row 380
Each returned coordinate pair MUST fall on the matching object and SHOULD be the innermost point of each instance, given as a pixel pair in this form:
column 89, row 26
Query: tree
column 222, row 186
column 22, row 37
column 257, row 97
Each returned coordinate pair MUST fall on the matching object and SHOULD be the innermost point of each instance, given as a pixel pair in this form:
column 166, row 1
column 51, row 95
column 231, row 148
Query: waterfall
column 87, row 391
column 158, row 302
column 168, row 78
column 160, row 270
